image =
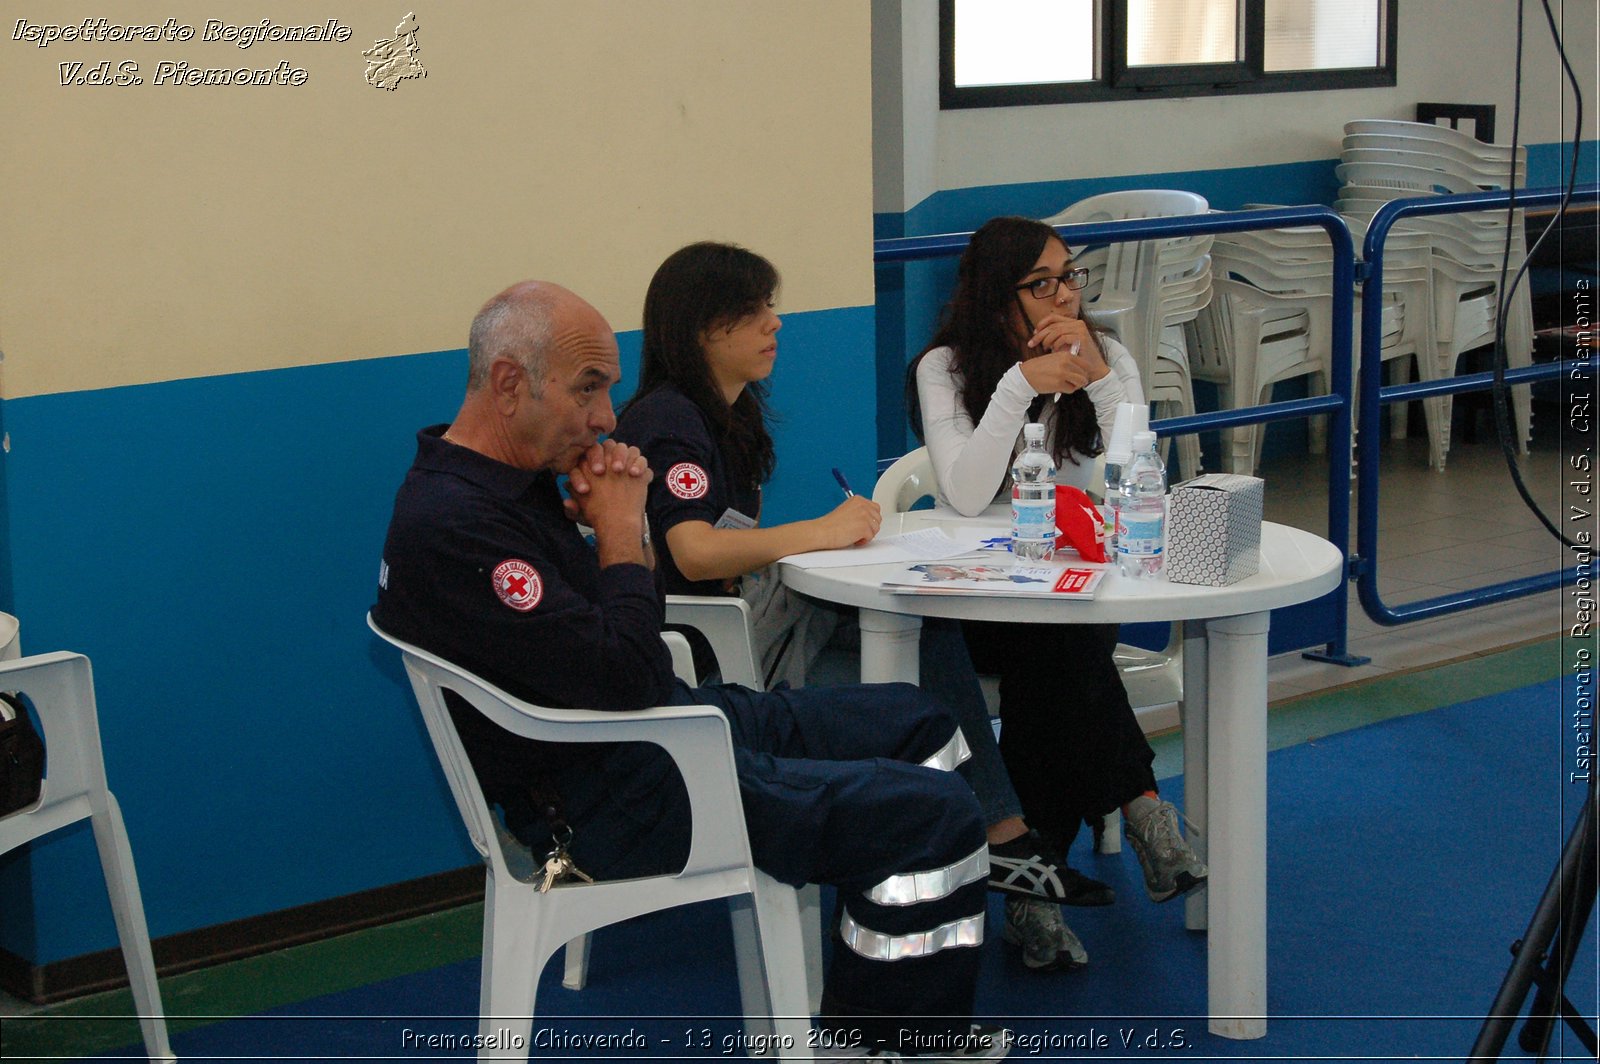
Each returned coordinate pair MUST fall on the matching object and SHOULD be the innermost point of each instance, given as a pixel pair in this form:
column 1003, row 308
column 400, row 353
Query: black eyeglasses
column 1045, row 287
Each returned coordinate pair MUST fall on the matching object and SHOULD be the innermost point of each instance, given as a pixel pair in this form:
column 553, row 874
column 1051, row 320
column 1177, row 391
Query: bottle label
column 1139, row 533
column 1033, row 518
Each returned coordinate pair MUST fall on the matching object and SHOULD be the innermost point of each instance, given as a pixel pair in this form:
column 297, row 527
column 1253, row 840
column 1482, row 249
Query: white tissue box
column 1214, row 529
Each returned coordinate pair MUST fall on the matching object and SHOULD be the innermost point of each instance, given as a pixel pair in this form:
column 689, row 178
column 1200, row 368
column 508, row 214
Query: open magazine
column 1071, row 578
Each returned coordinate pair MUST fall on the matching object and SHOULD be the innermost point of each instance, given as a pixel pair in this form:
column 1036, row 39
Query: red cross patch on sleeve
column 517, row 584
column 687, row 481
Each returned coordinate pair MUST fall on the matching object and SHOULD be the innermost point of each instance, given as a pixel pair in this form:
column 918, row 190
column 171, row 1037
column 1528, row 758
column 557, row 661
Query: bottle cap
column 1033, row 431
column 1119, row 449
column 1144, row 442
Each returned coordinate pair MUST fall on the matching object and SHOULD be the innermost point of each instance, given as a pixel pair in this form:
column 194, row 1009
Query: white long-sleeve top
column 972, row 463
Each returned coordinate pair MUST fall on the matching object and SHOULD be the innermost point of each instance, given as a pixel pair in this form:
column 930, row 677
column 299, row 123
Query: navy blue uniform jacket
column 482, row 568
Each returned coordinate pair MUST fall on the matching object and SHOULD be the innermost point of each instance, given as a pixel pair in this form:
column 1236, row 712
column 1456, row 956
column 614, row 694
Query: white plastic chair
column 1152, row 678
column 725, row 622
column 1142, row 290
column 1466, row 248
column 10, row 638
column 1248, row 340
column 1434, row 157
column 1429, row 134
column 61, row 688
column 908, row 479
column 1271, row 319
column 522, row 927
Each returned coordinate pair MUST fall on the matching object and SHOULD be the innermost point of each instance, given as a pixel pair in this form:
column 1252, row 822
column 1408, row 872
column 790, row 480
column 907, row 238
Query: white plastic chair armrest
column 725, row 622
column 682, row 657
column 697, row 739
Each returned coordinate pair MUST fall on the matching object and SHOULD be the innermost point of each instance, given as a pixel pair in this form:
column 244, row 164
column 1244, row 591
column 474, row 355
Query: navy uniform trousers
column 843, row 785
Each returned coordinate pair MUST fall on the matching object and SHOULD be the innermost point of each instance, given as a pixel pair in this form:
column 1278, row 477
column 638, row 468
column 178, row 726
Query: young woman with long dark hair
column 1012, row 347
column 699, row 415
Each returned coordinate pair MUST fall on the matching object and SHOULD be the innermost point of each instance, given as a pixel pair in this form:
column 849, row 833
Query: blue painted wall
column 212, row 545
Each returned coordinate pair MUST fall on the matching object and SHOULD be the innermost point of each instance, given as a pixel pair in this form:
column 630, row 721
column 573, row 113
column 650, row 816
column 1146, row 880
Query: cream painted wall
column 1449, row 50
column 157, row 232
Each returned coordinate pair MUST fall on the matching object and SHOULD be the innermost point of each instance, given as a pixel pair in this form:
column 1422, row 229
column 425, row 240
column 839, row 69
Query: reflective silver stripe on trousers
column 874, row 945
column 950, row 754
column 936, row 883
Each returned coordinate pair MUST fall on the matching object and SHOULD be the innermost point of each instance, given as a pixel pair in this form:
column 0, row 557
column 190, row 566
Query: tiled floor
column 1438, row 532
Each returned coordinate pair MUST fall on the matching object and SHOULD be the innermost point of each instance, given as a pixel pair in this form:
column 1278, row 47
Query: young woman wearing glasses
column 1011, row 348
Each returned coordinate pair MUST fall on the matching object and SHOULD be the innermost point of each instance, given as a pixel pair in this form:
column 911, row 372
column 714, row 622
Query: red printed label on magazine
column 1074, row 581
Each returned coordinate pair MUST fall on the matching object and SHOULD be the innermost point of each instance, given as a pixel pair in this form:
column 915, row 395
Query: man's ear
column 505, row 383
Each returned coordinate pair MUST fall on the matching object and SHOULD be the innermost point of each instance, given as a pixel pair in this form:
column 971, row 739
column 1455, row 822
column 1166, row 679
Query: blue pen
column 843, row 483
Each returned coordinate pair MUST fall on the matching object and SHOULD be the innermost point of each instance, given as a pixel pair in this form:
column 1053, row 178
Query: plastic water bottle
column 1130, row 418
column 1115, row 464
column 1142, row 512
column 1033, row 500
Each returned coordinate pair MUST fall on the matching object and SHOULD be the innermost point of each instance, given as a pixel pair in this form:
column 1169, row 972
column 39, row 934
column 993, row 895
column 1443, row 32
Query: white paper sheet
column 921, row 545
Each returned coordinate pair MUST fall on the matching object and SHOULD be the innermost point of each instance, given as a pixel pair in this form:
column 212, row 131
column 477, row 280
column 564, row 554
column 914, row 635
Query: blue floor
column 1404, row 858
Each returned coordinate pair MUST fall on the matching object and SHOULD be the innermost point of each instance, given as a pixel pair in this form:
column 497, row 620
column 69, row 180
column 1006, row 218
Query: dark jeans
column 1067, row 732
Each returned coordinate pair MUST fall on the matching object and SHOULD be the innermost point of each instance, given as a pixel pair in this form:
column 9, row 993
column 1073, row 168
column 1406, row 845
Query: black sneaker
column 1021, row 867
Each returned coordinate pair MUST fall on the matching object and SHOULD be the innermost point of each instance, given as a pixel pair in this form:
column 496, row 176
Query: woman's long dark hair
column 979, row 325
column 702, row 287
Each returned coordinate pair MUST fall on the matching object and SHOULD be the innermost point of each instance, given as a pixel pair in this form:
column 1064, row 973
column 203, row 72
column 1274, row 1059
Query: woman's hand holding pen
column 1062, row 355
column 850, row 524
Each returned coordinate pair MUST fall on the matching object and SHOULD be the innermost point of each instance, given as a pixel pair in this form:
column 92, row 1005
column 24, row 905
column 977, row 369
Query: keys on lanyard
column 559, row 865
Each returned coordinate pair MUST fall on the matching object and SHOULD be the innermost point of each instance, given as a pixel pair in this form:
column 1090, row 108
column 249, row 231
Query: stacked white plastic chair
column 1407, row 328
column 1383, row 160
column 1145, row 291
column 1271, row 319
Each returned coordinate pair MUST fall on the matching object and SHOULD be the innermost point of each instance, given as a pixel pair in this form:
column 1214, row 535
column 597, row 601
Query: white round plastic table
column 1224, row 711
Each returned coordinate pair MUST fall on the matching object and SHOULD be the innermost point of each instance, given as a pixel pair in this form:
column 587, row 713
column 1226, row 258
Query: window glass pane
column 1019, row 42
column 1321, row 34
column 1169, row 32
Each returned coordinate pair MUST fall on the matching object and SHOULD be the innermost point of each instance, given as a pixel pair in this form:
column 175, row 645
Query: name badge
column 732, row 518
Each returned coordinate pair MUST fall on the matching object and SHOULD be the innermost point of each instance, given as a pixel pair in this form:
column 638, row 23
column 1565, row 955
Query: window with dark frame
column 1003, row 53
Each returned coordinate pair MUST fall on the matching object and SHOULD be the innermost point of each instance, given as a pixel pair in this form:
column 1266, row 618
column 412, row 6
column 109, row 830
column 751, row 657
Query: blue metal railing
column 1361, row 565
column 1373, row 396
column 1336, row 404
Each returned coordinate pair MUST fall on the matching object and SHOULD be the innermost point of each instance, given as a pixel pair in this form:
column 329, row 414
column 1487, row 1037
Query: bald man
column 484, row 566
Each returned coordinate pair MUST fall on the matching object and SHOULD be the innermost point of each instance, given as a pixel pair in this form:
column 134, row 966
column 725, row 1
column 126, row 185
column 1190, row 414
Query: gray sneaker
column 1171, row 868
column 1047, row 942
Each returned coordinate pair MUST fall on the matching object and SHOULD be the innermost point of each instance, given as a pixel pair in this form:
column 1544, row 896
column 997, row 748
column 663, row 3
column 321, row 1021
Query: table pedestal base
column 1225, row 769
column 889, row 647
column 1235, row 741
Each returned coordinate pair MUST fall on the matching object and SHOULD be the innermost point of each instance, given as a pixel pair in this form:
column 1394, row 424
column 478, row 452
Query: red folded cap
column 1079, row 524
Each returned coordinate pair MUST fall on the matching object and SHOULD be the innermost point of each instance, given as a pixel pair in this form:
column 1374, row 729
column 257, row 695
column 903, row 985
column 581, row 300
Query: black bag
column 21, row 756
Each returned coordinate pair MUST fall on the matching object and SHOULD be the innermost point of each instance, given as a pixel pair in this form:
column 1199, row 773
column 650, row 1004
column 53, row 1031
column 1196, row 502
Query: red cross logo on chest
column 687, row 481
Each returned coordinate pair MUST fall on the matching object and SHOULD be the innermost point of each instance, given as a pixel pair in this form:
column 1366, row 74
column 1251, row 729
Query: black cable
column 1501, row 393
